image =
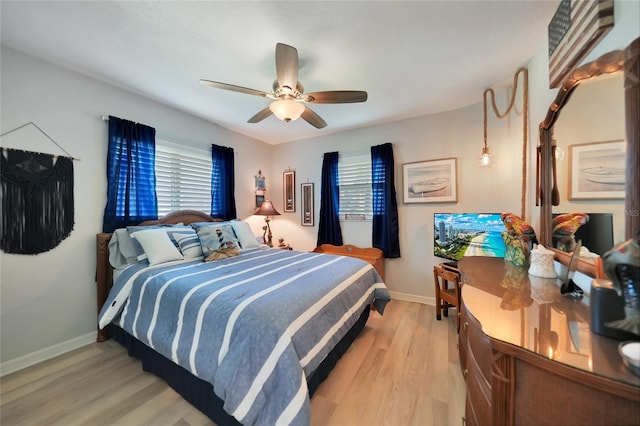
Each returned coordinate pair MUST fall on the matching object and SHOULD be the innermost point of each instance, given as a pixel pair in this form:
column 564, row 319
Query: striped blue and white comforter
column 254, row 325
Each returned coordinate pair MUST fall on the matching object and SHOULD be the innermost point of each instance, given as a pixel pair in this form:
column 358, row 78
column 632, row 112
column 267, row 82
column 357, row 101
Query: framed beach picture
column 431, row 181
column 597, row 171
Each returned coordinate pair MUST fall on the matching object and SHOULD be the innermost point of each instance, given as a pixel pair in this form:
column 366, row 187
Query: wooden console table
column 529, row 356
column 371, row 255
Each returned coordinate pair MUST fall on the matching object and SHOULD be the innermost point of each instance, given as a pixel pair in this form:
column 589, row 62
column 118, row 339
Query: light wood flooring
column 402, row 370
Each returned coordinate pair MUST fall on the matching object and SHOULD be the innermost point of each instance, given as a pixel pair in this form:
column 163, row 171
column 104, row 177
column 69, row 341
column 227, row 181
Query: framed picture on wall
column 597, row 170
column 260, row 183
column 307, row 204
column 259, row 200
column 430, row 181
column 289, row 191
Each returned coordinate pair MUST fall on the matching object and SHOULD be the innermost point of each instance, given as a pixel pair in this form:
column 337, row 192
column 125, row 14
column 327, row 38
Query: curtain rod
column 44, row 133
column 175, row 138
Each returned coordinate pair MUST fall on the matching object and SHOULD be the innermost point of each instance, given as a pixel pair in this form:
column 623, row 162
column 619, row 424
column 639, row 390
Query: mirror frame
column 615, row 61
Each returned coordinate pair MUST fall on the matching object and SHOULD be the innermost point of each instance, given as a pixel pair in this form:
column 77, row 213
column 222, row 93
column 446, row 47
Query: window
column 354, row 179
column 183, row 178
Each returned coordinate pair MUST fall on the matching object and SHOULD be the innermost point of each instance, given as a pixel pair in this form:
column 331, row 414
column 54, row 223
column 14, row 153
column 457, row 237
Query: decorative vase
column 541, row 263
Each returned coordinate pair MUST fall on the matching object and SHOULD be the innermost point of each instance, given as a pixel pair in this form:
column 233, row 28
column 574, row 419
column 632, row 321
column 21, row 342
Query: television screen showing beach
column 456, row 235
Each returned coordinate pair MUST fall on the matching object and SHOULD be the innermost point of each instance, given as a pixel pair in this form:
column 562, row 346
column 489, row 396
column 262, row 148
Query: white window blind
column 354, row 179
column 183, row 178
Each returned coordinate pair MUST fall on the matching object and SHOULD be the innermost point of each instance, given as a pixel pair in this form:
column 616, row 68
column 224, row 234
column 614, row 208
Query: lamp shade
column 266, row 209
column 286, row 109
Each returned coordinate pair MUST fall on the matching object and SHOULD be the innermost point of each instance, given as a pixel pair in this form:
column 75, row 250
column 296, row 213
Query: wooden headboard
column 104, row 271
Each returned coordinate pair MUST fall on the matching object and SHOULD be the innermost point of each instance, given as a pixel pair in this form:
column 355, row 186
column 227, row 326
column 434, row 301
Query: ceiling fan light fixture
column 286, row 109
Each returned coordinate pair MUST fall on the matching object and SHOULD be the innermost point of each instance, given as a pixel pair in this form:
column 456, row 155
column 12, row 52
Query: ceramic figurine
column 519, row 239
column 563, row 228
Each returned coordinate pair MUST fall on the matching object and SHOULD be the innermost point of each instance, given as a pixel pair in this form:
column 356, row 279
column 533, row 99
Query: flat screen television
column 456, row 235
column 597, row 233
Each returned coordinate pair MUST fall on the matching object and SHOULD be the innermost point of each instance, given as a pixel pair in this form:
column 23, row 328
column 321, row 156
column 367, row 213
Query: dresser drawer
column 462, row 342
column 478, row 410
column 478, row 345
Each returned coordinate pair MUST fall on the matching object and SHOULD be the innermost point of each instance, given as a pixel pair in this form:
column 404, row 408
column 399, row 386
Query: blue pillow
column 216, row 237
column 189, row 244
column 198, row 225
column 171, row 232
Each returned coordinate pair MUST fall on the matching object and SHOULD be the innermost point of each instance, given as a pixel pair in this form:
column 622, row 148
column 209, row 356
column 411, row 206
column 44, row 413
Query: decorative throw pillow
column 189, row 244
column 171, row 232
column 222, row 254
column 245, row 235
column 216, row 237
column 135, row 228
column 198, row 225
column 157, row 245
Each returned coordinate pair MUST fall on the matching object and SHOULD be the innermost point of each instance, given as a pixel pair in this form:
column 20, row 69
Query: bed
column 246, row 338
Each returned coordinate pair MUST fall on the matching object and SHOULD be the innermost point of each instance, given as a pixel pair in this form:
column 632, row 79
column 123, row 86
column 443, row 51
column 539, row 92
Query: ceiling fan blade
column 234, row 88
column 312, row 118
column 260, row 116
column 336, row 97
column 287, row 66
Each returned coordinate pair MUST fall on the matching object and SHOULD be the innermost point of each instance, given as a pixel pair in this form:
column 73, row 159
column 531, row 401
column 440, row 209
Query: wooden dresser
column 371, row 255
column 530, row 358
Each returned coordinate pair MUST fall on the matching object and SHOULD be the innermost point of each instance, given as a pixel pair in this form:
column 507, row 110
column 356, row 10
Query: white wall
column 50, row 298
column 48, row 301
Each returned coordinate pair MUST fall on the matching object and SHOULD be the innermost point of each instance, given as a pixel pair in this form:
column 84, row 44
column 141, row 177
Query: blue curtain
column 329, row 231
column 131, row 177
column 223, row 201
column 385, row 206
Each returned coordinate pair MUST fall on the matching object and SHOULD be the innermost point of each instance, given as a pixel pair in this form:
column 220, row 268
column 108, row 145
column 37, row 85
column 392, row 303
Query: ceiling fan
column 288, row 94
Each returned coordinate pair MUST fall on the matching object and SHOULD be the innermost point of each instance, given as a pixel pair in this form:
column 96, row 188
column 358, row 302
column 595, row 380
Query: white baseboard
column 28, row 360
column 406, row 297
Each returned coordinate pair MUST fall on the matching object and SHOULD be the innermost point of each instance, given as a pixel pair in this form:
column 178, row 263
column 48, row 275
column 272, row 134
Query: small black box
column 607, row 306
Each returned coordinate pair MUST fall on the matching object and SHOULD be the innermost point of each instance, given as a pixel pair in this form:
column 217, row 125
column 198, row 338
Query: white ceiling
column 412, row 57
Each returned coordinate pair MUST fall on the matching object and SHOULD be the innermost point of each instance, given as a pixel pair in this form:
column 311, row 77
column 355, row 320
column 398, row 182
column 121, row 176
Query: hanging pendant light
column 486, row 159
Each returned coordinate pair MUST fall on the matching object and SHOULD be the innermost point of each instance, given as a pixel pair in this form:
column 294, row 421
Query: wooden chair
column 447, row 297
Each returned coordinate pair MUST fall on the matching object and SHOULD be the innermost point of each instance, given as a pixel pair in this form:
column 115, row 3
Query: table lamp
column 266, row 209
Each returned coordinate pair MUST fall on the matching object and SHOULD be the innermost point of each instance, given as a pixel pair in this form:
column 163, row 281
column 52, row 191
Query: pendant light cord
column 525, row 125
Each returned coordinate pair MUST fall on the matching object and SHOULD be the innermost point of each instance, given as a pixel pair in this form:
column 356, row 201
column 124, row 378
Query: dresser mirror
column 590, row 122
column 619, row 69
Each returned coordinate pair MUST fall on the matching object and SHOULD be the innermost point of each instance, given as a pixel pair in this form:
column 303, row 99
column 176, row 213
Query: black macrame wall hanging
column 36, row 193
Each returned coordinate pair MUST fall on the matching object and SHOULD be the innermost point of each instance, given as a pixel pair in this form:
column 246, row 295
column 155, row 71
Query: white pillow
column 189, row 244
column 157, row 245
column 244, row 234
